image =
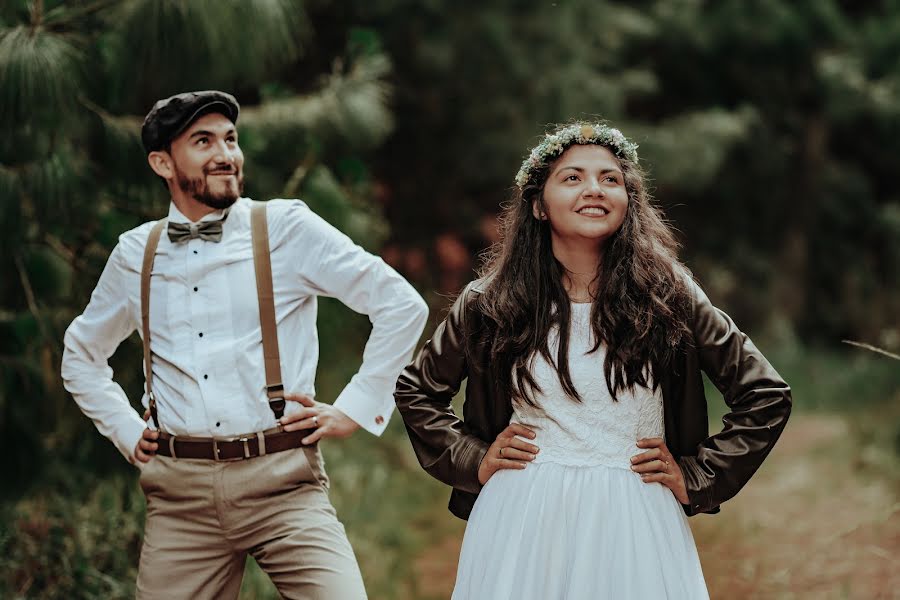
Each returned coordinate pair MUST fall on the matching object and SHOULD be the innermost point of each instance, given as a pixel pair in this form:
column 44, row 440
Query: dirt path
column 812, row 524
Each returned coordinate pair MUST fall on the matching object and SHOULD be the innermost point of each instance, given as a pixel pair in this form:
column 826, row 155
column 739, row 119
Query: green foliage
column 79, row 541
column 754, row 120
column 35, row 64
column 849, row 381
column 696, row 142
column 213, row 42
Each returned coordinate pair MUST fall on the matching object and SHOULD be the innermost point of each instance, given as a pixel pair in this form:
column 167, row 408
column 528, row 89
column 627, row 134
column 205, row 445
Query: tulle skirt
column 557, row 532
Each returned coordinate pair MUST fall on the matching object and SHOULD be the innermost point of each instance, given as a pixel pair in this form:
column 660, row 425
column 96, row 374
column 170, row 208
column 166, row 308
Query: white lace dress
column 577, row 523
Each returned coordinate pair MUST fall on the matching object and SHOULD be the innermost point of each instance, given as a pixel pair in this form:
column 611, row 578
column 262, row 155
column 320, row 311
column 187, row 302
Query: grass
column 72, row 537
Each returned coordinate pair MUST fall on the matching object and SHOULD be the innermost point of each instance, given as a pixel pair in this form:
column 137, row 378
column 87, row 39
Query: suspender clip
column 275, row 391
column 152, row 407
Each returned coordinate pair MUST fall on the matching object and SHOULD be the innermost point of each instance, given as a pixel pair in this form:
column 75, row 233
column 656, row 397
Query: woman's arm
column 423, row 395
column 758, row 398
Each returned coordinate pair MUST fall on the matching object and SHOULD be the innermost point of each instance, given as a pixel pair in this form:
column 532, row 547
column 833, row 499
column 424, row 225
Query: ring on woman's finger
column 315, row 420
column 501, row 452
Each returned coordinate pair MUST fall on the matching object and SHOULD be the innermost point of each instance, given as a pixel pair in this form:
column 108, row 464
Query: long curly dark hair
column 640, row 311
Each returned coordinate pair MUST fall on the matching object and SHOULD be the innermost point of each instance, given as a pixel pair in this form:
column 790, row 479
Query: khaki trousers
column 204, row 517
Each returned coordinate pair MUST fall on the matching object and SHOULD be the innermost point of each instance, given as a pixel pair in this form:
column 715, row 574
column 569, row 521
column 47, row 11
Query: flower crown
column 554, row 144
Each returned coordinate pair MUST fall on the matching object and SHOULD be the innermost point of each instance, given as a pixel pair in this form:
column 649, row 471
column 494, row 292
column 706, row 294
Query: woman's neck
column 581, row 263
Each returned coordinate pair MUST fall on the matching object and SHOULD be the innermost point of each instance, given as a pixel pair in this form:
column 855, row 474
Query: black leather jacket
column 714, row 467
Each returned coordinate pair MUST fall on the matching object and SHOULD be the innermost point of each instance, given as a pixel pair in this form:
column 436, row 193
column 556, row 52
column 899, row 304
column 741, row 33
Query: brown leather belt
column 239, row 448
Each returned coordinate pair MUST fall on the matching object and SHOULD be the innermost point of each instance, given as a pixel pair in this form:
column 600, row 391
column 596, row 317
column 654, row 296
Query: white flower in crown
column 553, row 145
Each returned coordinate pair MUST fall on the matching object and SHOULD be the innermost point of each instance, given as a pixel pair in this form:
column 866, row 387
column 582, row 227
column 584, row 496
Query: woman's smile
column 592, row 211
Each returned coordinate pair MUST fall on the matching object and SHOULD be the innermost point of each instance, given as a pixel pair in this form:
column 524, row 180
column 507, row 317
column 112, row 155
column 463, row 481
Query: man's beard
column 198, row 189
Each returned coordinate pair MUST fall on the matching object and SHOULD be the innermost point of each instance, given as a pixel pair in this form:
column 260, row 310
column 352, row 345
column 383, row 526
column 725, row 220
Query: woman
column 584, row 437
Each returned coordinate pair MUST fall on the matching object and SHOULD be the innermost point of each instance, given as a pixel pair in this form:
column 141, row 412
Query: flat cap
column 172, row 115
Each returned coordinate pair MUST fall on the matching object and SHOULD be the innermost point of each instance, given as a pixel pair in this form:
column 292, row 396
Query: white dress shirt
column 205, row 336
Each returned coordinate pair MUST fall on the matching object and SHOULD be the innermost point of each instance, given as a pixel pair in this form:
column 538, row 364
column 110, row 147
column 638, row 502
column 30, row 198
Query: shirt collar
column 175, row 215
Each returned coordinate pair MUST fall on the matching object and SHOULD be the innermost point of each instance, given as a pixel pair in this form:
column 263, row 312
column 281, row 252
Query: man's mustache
column 223, row 170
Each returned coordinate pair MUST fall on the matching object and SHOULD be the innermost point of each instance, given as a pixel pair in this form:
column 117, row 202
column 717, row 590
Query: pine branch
column 351, row 107
column 296, row 179
column 75, row 261
column 875, row 349
column 39, row 74
column 32, row 302
column 36, row 10
column 123, row 128
column 65, row 15
column 227, row 41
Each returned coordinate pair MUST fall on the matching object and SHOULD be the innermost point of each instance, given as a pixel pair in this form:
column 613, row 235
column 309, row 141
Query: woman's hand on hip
column 657, row 465
column 327, row 420
column 508, row 452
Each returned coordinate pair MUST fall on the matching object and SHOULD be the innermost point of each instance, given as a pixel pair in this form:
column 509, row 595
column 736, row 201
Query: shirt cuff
column 370, row 408
column 127, row 439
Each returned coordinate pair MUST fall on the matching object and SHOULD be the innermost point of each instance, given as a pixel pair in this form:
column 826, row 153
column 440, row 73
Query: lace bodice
column 597, row 431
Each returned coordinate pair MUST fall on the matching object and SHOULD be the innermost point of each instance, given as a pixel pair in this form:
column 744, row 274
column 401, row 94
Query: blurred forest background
column 771, row 130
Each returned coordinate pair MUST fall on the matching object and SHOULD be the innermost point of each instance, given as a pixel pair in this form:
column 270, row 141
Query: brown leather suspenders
column 149, row 255
column 262, row 264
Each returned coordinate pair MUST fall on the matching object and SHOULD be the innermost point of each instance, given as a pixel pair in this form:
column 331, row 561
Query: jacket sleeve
column 758, row 398
column 423, row 395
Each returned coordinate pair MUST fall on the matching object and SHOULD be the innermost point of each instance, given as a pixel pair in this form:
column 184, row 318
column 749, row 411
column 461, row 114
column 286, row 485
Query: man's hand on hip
column 147, row 445
column 327, row 420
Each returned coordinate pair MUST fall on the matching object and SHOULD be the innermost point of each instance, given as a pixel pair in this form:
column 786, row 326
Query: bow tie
column 211, row 231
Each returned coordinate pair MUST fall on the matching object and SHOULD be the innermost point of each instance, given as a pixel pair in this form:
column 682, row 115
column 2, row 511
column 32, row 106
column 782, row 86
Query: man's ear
column 161, row 163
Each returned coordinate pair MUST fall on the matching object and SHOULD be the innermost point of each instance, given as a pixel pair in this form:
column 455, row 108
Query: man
column 227, row 468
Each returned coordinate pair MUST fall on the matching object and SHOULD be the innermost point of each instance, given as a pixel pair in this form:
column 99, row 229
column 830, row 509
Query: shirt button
column 217, row 424
column 200, row 334
column 195, row 288
column 379, row 420
column 205, row 376
column 195, row 252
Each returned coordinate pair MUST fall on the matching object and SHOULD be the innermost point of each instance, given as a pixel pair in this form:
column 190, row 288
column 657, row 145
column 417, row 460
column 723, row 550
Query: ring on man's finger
column 315, row 420
column 501, row 452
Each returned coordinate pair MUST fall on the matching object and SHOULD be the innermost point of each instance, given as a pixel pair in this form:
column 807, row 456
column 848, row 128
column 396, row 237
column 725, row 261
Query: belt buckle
column 244, row 440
